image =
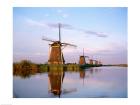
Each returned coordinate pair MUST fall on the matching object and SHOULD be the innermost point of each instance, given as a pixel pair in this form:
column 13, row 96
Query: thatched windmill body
column 56, row 54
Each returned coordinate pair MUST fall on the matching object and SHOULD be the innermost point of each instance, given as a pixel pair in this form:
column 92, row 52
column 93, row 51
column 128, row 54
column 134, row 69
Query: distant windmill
column 91, row 61
column 82, row 60
column 56, row 54
column 95, row 62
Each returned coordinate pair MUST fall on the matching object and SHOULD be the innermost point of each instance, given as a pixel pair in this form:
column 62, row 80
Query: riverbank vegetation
column 25, row 68
column 121, row 65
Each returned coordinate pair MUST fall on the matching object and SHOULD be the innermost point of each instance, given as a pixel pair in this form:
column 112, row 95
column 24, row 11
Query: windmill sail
column 56, row 54
column 59, row 26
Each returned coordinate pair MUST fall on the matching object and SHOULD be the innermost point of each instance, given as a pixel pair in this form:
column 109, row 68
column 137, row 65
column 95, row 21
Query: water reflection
column 90, row 82
column 56, row 77
column 55, row 81
column 82, row 73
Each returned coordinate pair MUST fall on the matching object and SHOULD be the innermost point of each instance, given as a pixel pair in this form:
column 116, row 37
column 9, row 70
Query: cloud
column 90, row 32
column 65, row 15
column 65, row 26
column 52, row 25
column 99, row 34
column 35, row 23
column 31, row 54
column 70, row 27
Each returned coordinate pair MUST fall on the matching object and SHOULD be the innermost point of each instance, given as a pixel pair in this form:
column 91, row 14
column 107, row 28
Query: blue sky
column 102, row 32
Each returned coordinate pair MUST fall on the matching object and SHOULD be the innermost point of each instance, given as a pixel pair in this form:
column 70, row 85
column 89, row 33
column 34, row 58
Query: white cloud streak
column 65, row 15
column 35, row 23
column 65, row 26
column 99, row 34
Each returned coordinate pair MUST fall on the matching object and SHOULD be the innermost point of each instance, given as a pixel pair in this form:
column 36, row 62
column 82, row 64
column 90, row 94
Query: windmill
column 56, row 54
column 82, row 60
column 91, row 61
column 95, row 62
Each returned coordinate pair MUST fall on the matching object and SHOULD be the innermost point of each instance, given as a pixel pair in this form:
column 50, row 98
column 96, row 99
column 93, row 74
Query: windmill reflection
column 55, row 81
column 82, row 74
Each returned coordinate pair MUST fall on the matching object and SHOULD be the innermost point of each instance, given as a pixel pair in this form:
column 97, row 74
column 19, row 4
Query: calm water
column 97, row 82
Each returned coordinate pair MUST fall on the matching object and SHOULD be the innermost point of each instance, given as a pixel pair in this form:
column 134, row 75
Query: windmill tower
column 56, row 54
column 96, row 62
column 82, row 60
column 91, row 61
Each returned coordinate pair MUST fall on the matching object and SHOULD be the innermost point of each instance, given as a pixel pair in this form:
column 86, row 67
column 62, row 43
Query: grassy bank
column 25, row 68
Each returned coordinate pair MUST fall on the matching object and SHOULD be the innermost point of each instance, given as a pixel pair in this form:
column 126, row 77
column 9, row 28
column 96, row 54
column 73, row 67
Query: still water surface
column 95, row 82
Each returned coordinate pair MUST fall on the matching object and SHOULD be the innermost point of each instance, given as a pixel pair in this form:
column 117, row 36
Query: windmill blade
column 65, row 26
column 59, row 26
column 47, row 39
column 65, row 44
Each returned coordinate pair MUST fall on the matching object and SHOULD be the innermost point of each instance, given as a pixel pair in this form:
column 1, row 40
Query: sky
column 101, row 31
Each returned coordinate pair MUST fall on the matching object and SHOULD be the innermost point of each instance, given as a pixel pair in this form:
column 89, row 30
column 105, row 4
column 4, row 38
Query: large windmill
column 56, row 54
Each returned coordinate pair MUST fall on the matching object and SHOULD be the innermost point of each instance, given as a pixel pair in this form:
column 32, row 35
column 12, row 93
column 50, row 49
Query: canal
column 94, row 82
